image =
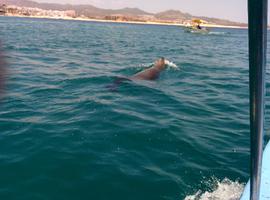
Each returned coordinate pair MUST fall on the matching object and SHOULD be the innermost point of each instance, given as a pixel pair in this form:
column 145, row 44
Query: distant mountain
column 86, row 10
column 173, row 15
column 134, row 13
column 176, row 15
column 221, row 21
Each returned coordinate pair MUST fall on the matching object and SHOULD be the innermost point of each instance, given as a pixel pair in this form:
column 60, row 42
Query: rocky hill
column 173, row 15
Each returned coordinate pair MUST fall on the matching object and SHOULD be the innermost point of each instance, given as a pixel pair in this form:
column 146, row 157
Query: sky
column 235, row 10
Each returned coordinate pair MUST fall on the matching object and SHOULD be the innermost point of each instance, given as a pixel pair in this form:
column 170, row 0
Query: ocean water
column 65, row 135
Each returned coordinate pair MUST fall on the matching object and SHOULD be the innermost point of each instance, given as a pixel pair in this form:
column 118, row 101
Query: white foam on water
column 217, row 33
column 171, row 64
column 146, row 65
column 167, row 62
column 224, row 190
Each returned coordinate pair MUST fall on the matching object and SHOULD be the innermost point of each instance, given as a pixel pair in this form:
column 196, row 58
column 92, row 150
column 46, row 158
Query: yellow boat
column 196, row 27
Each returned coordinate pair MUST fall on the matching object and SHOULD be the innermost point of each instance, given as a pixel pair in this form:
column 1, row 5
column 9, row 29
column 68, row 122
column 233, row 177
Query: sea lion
column 151, row 73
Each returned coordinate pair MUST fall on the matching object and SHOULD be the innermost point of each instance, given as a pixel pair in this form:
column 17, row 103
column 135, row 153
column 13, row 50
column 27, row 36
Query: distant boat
column 195, row 27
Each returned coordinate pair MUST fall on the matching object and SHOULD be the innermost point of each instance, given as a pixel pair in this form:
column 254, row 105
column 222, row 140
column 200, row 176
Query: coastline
column 124, row 22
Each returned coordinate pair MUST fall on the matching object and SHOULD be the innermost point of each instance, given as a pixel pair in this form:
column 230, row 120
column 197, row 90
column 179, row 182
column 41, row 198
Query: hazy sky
column 227, row 9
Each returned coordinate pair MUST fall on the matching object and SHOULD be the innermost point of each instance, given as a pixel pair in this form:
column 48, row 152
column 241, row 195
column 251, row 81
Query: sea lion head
column 160, row 63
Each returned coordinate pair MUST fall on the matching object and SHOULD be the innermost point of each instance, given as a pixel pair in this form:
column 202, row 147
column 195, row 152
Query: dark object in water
column 113, row 87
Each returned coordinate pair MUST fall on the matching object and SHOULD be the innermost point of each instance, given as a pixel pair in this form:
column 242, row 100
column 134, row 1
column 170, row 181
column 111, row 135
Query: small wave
column 224, row 190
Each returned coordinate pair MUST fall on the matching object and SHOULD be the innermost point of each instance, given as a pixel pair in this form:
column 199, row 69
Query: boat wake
column 222, row 190
column 217, row 33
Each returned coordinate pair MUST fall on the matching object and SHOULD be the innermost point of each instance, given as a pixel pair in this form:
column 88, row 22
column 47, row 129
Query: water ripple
column 65, row 135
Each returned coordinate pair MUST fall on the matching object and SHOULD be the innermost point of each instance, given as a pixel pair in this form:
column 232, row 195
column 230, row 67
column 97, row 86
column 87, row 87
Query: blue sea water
column 65, row 135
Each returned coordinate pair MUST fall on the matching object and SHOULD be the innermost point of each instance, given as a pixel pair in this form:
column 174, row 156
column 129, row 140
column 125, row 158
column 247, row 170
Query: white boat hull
column 265, row 184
